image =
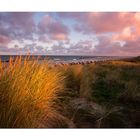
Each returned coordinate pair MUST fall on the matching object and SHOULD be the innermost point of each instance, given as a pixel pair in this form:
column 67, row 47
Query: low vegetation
column 28, row 91
column 105, row 95
column 102, row 95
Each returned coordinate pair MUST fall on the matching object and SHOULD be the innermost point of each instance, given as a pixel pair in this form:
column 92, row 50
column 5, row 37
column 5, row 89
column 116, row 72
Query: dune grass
column 28, row 91
column 103, row 95
column 99, row 89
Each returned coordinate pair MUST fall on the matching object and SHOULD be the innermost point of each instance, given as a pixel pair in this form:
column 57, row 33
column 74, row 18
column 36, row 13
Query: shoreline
column 59, row 62
column 82, row 62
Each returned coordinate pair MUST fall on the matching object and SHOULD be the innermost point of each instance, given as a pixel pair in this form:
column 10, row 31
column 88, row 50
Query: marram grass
column 27, row 93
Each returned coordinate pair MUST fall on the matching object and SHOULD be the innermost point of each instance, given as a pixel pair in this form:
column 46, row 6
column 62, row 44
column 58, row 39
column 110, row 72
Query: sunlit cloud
column 70, row 33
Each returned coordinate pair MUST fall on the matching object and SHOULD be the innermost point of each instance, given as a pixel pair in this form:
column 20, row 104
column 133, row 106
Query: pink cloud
column 59, row 36
column 123, row 26
column 44, row 23
column 104, row 22
column 58, row 27
column 21, row 20
column 110, row 29
column 125, row 23
column 132, row 47
column 131, row 32
column 107, row 46
column 109, row 22
column 54, row 29
column 128, row 33
column 4, row 40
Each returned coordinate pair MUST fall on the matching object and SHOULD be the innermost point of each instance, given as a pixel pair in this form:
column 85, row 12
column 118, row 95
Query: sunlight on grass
column 35, row 94
column 27, row 93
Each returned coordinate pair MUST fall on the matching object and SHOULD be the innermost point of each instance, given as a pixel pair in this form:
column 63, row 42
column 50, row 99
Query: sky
column 70, row 33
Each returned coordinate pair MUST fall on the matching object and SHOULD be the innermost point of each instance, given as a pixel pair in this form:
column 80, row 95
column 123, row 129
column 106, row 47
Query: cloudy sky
column 69, row 33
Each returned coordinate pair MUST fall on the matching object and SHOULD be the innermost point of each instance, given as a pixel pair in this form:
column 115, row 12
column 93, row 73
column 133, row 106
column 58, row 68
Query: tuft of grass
column 73, row 78
column 28, row 91
column 86, row 81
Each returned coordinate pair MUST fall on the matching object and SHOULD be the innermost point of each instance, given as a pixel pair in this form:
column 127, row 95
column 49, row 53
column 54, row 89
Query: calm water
column 64, row 58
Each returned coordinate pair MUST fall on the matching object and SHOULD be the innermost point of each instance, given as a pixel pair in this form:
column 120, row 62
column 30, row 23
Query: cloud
column 44, row 38
column 82, row 47
column 131, row 48
column 59, row 36
column 107, row 46
column 17, row 25
column 4, row 40
column 57, row 33
column 55, row 30
column 20, row 21
column 103, row 22
column 20, row 33
column 118, row 33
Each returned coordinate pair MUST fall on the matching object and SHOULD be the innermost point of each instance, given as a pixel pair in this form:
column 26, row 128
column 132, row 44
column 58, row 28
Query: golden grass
column 73, row 75
column 27, row 93
column 124, row 63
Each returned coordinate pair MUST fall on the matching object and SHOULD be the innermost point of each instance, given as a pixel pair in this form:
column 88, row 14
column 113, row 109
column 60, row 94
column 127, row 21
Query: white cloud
column 16, row 44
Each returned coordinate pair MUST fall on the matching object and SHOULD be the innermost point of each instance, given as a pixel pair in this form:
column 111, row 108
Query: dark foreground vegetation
column 101, row 95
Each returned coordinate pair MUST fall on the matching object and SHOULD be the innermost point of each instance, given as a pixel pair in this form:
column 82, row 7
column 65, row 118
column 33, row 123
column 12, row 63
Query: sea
column 63, row 58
